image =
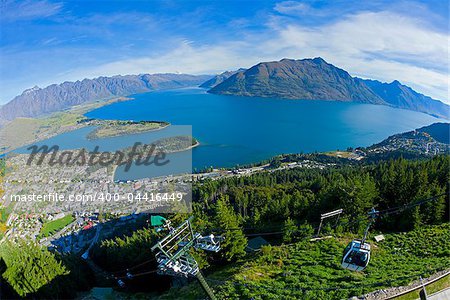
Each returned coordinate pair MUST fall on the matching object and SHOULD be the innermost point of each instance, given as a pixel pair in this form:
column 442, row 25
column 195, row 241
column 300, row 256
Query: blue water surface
column 238, row 130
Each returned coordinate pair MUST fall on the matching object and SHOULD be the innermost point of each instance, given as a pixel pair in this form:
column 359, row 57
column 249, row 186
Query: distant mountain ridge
column 36, row 101
column 315, row 79
column 218, row 79
column 402, row 96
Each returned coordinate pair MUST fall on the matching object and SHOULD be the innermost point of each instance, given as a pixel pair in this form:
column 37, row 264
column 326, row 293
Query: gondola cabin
column 356, row 256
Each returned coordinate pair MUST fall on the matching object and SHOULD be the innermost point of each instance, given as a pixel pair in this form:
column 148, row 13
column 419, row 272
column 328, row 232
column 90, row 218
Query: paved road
column 94, row 240
column 442, row 295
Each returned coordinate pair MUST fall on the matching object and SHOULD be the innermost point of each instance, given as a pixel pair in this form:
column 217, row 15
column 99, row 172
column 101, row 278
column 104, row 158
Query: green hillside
column 439, row 131
column 282, row 206
column 311, row 270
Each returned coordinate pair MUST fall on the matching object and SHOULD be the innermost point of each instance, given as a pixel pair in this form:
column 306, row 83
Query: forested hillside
column 267, row 199
column 284, row 207
column 33, row 270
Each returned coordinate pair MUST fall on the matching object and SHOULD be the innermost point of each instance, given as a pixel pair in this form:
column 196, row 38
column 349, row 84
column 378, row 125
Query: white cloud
column 186, row 58
column 294, row 8
column 22, row 10
column 383, row 45
column 378, row 45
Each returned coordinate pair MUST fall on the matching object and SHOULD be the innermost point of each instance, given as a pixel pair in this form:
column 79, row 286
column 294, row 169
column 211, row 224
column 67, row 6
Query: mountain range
column 36, row 101
column 315, row 79
column 402, row 96
column 218, row 79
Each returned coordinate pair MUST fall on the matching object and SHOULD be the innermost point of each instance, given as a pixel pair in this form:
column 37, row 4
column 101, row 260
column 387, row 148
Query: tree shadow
column 6, row 290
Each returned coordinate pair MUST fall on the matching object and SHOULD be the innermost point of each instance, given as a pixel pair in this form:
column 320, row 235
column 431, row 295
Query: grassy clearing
column 414, row 295
column 5, row 212
column 308, row 270
column 437, row 286
column 16, row 132
column 342, row 154
column 22, row 131
column 4, row 215
column 54, row 226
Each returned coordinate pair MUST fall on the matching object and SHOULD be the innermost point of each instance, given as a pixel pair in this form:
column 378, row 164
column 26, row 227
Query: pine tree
column 416, row 218
column 227, row 220
column 289, row 230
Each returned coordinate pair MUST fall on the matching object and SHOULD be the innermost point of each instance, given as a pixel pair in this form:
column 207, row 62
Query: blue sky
column 45, row 42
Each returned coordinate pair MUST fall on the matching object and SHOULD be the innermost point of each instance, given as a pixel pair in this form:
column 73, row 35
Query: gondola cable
column 388, row 211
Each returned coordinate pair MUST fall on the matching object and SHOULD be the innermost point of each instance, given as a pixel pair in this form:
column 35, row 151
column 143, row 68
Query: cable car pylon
column 324, row 216
column 173, row 251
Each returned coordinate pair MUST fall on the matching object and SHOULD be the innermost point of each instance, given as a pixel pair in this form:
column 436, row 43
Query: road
column 94, row 240
column 442, row 295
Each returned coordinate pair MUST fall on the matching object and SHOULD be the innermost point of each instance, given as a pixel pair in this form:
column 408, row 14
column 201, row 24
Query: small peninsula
column 113, row 128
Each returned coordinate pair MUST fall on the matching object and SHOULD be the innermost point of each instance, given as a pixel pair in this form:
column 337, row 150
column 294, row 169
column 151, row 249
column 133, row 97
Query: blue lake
column 239, row 130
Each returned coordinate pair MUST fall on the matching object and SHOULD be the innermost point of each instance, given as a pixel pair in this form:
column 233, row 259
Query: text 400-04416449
column 155, row 197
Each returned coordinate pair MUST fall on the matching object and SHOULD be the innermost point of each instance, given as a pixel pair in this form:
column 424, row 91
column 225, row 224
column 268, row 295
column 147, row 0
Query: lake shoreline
column 239, row 130
column 93, row 136
column 115, row 167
